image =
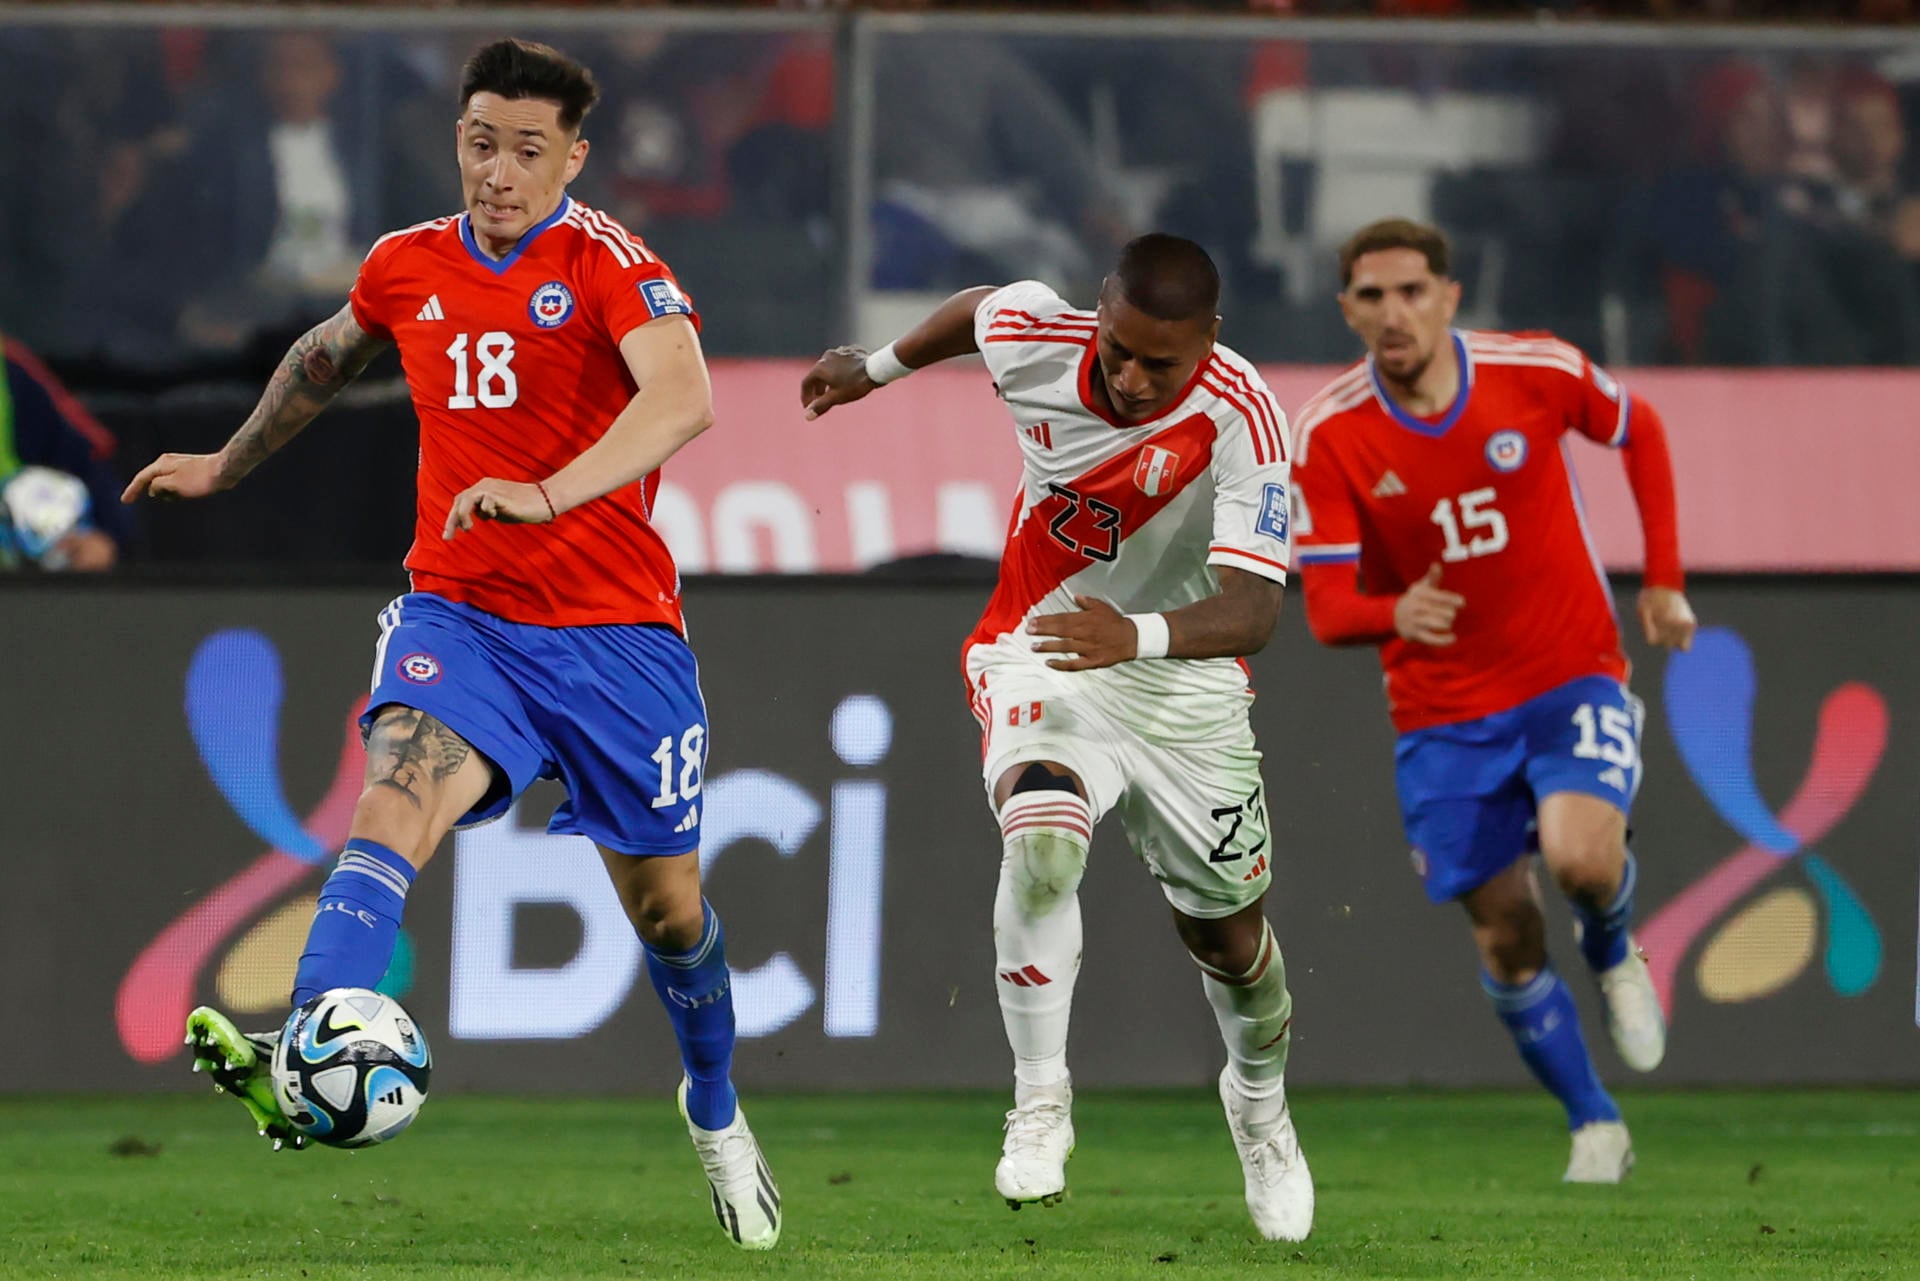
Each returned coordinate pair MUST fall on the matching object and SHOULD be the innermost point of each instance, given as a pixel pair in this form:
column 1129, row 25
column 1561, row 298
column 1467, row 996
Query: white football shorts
column 1185, row 778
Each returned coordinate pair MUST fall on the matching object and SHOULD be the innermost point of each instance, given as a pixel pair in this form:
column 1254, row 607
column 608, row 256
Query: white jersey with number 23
column 1132, row 512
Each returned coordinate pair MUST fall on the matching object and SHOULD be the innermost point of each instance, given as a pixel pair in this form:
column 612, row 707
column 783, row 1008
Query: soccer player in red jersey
column 554, row 364
column 1436, row 516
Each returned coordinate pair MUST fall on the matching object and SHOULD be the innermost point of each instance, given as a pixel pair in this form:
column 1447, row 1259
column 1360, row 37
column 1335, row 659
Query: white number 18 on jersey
column 497, row 387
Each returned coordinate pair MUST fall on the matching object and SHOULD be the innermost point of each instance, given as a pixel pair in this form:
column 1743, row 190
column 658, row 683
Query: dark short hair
column 1168, row 278
column 524, row 69
column 1396, row 233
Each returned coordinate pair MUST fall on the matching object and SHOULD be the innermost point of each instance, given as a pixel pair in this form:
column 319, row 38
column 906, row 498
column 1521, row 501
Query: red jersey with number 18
column 1486, row 491
column 514, row 367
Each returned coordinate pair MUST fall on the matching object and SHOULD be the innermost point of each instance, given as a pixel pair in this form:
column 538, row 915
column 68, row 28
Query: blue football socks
column 350, row 942
column 1603, row 933
column 1545, row 1026
column 697, row 991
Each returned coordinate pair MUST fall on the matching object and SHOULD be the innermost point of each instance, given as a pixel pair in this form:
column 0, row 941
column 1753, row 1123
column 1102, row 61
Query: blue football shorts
column 613, row 711
column 1469, row 791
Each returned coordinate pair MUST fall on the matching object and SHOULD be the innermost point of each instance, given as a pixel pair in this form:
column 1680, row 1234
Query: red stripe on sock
column 1073, row 818
column 1085, row 834
column 1252, row 976
column 1028, row 816
column 1042, row 820
column 1276, row 1040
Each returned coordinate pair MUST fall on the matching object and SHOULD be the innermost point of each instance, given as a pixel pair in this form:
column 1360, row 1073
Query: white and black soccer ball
column 351, row 1068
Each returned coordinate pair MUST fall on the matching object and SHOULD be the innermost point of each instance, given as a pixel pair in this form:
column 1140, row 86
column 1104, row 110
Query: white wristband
column 884, row 367
column 1152, row 635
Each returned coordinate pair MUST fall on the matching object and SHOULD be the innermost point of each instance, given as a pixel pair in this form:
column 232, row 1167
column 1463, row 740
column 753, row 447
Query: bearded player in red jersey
column 1436, row 516
column 554, row 365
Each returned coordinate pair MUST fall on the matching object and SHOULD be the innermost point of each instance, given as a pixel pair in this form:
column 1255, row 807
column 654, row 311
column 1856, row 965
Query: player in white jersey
column 1146, row 558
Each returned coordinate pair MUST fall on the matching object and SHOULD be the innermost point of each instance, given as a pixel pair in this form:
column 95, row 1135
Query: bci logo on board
column 500, row 867
column 245, row 934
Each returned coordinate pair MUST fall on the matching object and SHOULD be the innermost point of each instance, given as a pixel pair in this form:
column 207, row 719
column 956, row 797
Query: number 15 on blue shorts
column 1469, row 791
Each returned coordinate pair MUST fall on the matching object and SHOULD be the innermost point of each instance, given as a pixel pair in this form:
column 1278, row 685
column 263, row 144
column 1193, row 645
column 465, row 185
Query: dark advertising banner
column 180, row 766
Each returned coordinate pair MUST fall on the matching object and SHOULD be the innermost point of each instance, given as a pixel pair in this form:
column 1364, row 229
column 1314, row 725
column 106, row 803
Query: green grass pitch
column 1787, row 1184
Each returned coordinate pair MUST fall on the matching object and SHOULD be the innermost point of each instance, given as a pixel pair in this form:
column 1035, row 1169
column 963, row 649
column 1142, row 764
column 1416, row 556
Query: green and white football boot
column 241, row 1064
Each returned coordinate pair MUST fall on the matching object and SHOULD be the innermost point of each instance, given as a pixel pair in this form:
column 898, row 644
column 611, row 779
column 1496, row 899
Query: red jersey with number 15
column 514, row 367
column 1486, row 491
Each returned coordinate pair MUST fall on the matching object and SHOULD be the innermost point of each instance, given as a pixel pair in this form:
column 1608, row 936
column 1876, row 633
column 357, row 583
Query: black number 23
column 1247, row 809
column 1105, row 525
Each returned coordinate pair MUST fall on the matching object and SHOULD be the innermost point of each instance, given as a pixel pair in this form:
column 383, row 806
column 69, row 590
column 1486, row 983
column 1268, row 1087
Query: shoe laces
column 1033, row 1123
column 1270, row 1158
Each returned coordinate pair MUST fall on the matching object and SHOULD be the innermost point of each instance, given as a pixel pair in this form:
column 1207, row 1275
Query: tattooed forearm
column 316, row 368
column 409, row 751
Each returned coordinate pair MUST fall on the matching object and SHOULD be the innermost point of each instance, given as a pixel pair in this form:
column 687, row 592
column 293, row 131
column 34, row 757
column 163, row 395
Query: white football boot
column 745, row 1198
column 1635, row 1020
column 1033, row 1160
column 1279, row 1185
column 1602, row 1153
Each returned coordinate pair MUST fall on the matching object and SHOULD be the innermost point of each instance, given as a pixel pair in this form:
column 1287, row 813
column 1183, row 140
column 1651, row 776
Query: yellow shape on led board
column 1762, row 949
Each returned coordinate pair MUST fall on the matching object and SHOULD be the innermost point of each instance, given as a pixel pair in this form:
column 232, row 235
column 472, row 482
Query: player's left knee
column 1587, row 866
column 1044, row 838
column 1229, row 947
column 1043, row 868
column 664, row 915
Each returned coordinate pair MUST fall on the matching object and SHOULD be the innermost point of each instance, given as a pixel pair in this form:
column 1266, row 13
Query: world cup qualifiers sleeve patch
column 663, row 298
column 1273, row 513
column 1605, row 382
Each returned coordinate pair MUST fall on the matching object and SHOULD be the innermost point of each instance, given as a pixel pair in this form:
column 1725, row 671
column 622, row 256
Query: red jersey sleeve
column 1600, row 408
column 1326, row 523
column 1326, row 547
column 370, row 294
column 628, row 285
column 1595, row 403
column 1650, row 476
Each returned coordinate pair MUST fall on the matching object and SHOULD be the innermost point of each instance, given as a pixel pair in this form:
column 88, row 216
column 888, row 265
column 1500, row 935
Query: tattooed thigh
column 413, row 753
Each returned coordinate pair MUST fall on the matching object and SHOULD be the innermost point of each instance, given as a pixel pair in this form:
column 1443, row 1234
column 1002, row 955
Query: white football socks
column 1036, row 930
column 1255, row 1013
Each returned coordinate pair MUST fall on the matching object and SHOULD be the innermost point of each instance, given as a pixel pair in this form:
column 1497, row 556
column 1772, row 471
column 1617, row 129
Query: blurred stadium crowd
column 203, row 192
column 1712, row 10
column 193, row 198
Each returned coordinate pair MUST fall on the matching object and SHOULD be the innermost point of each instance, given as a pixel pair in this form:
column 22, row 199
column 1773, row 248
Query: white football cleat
column 745, row 1198
column 1634, row 1017
column 1279, row 1185
column 1033, row 1160
column 1602, row 1153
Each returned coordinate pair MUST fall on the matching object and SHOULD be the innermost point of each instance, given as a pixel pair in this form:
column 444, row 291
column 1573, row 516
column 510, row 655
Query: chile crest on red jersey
column 1506, row 450
column 551, row 305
